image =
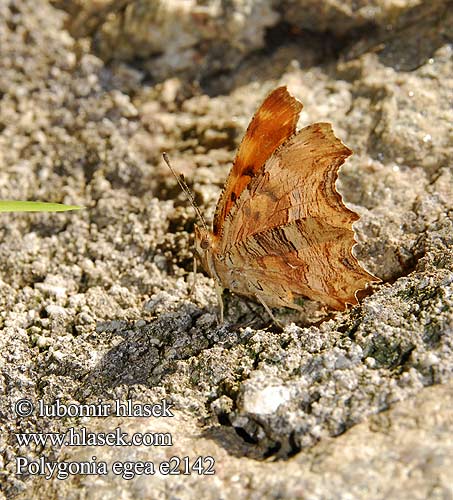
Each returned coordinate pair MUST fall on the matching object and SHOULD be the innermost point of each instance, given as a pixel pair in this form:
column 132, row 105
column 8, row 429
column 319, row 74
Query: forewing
column 298, row 181
column 273, row 123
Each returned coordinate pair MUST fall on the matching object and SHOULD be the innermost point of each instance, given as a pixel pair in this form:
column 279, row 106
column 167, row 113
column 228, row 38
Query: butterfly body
column 281, row 230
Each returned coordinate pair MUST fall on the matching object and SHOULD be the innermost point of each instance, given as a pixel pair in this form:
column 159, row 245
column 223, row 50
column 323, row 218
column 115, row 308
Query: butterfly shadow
column 149, row 353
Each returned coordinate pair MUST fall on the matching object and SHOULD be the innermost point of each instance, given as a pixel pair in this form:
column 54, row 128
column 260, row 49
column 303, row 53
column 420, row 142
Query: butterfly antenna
column 185, row 188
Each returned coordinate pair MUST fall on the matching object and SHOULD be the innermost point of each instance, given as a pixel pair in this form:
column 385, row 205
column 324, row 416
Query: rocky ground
column 95, row 304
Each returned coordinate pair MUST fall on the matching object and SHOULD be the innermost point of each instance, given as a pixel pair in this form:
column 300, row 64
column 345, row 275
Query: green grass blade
column 35, row 206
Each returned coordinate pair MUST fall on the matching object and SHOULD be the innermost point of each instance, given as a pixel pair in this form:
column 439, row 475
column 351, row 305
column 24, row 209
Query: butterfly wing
column 303, row 258
column 289, row 232
column 273, row 123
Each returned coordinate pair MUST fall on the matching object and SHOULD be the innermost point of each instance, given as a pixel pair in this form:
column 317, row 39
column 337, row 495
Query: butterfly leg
column 268, row 310
column 219, row 291
column 194, row 277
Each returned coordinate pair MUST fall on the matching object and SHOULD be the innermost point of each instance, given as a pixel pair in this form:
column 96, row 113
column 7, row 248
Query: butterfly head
column 203, row 246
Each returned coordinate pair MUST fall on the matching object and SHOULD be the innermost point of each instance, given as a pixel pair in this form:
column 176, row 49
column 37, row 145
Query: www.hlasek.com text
column 84, row 437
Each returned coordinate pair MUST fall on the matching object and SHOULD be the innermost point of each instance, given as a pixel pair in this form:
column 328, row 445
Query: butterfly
column 281, row 230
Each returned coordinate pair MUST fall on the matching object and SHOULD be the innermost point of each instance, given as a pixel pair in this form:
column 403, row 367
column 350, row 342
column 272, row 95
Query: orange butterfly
column 281, row 230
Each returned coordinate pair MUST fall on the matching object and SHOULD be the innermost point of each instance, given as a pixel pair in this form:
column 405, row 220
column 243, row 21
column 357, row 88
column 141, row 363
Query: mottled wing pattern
column 297, row 181
column 273, row 123
column 304, row 258
column 290, row 233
